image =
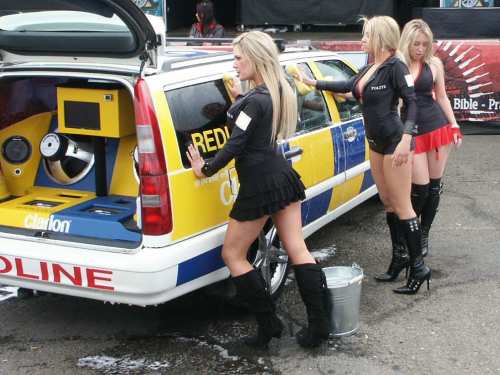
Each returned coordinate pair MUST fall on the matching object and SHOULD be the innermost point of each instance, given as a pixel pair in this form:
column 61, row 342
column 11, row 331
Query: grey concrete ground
column 451, row 330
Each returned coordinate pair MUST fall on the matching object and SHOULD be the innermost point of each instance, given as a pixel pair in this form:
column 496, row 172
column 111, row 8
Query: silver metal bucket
column 344, row 286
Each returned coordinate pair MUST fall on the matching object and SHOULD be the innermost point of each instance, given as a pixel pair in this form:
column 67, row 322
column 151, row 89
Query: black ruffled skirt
column 267, row 194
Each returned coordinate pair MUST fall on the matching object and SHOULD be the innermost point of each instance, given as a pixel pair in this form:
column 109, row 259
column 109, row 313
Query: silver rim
column 271, row 259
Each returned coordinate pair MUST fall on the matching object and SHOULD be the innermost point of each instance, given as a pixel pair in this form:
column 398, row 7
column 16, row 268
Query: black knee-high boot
column 400, row 258
column 251, row 289
column 419, row 195
column 419, row 272
column 429, row 211
column 313, row 290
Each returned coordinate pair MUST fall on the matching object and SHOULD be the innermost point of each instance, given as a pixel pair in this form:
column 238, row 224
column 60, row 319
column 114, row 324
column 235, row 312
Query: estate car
column 97, row 197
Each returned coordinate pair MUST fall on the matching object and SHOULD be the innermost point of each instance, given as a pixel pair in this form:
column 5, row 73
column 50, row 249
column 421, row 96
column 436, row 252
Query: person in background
column 206, row 25
column 269, row 188
column 437, row 126
column 378, row 87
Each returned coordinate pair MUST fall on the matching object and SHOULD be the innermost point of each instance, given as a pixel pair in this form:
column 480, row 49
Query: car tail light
column 156, row 210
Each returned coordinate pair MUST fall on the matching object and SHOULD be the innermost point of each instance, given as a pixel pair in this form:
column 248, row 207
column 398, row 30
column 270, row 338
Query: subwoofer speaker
column 16, row 149
column 66, row 160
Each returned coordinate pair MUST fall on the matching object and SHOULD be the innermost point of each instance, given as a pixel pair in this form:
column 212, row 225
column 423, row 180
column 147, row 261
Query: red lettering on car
column 92, row 277
column 7, row 265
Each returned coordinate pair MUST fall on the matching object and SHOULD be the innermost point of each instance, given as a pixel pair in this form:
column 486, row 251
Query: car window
column 336, row 70
column 312, row 110
column 199, row 115
column 79, row 15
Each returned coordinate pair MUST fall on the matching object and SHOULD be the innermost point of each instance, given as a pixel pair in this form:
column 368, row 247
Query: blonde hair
column 409, row 35
column 383, row 33
column 263, row 55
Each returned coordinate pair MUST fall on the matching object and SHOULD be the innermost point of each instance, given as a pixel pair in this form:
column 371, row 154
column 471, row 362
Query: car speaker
column 66, row 160
column 16, row 149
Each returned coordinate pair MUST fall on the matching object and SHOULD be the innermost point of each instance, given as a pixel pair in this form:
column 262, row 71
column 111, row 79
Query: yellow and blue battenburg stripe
column 345, row 155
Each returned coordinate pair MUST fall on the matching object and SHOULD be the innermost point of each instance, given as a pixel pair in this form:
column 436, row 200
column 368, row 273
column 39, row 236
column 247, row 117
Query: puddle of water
column 105, row 363
column 7, row 292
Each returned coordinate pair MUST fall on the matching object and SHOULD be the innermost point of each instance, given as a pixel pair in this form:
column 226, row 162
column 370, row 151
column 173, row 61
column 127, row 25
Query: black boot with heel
column 252, row 292
column 400, row 258
column 419, row 272
column 314, row 292
column 429, row 211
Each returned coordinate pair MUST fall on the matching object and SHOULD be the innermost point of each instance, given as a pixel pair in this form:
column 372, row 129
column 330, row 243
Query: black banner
column 310, row 12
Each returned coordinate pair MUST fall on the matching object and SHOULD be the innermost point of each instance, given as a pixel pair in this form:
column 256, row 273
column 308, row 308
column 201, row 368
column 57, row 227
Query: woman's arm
column 333, row 86
column 404, row 86
column 219, row 31
column 245, row 123
column 443, row 100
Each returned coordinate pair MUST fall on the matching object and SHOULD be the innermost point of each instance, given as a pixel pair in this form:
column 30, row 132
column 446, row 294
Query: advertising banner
column 472, row 77
column 153, row 7
column 472, row 70
column 466, row 3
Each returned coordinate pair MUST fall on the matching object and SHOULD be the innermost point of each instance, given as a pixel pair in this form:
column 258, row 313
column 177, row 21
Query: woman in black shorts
column 378, row 87
column 269, row 187
column 437, row 127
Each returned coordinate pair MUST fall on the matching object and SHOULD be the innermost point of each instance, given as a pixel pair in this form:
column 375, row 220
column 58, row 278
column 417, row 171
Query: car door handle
column 293, row 152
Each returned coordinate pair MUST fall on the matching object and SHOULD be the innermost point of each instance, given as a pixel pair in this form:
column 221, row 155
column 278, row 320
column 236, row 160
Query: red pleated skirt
column 435, row 139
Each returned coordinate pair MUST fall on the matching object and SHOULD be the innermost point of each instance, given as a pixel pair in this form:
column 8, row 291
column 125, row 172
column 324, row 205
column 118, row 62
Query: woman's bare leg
column 239, row 237
column 288, row 222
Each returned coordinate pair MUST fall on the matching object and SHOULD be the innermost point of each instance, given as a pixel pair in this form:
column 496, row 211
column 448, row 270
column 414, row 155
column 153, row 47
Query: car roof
column 183, row 64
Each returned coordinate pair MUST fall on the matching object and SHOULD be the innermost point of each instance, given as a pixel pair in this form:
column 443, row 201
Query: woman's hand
column 457, row 136
column 308, row 81
column 401, row 154
column 196, row 160
column 235, row 88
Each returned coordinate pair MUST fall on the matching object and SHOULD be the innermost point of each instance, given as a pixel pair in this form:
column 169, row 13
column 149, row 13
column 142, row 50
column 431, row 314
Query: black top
column 430, row 116
column 380, row 99
column 250, row 143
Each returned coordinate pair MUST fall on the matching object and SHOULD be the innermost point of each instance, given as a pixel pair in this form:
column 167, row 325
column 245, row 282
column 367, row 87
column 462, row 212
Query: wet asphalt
column 452, row 329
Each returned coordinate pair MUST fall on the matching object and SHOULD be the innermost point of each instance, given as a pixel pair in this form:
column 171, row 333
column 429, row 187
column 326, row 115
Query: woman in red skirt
column 437, row 127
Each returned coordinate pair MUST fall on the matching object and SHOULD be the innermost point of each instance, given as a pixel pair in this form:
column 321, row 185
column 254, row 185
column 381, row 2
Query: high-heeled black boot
column 252, row 291
column 429, row 211
column 314, row 292
column 419, row 272
column 400, row 258
column 419, row 195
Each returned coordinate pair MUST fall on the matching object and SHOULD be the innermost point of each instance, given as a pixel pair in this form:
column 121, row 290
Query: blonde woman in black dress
column 269, row 188
column 437, row 128
column 379, row 87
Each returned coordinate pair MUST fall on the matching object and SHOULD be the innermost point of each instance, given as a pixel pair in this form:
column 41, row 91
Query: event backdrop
column 466, row 3
column 472, row 72
column 311, row 12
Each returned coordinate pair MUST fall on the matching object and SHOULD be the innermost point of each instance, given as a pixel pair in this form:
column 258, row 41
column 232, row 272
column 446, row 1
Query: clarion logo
column 33, row 221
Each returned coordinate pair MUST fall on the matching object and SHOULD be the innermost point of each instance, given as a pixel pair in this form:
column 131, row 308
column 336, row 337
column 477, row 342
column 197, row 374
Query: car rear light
column 154, row 189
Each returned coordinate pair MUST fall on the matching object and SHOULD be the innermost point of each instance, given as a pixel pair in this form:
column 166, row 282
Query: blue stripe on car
column 338, row 150
column 200, row 265
column 355, row 149
column 367, row 180
column 211, row 261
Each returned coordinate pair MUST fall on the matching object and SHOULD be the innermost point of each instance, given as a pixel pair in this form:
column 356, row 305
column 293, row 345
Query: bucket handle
column 356, row 266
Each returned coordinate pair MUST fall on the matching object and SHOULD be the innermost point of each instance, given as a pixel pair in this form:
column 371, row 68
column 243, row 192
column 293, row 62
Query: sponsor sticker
column 409, row 80
column 243, row 120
